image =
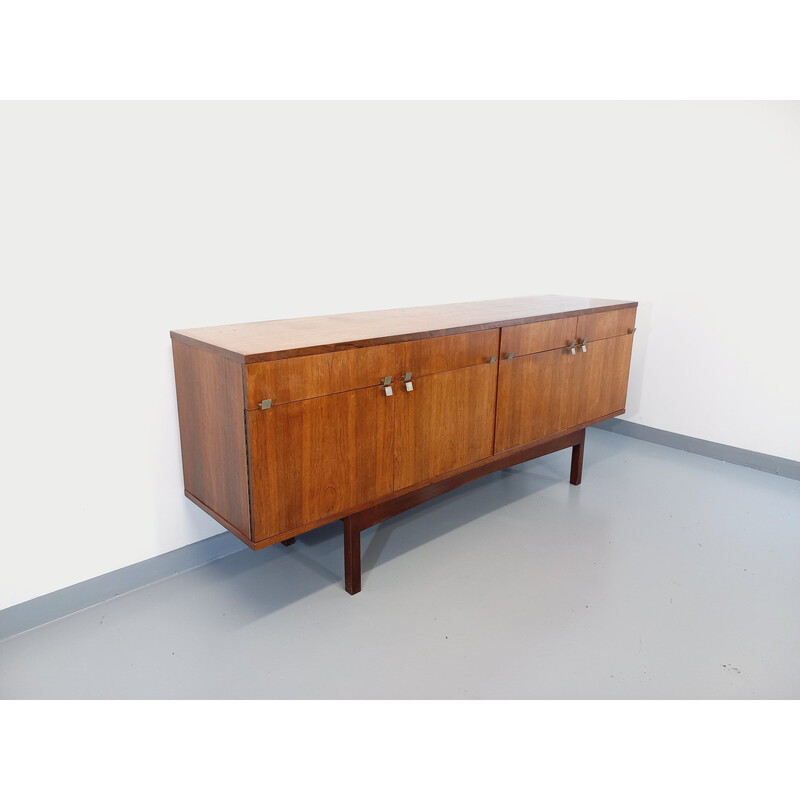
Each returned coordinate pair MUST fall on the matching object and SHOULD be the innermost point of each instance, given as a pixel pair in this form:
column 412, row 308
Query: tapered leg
column 289, row 542
column 576, row 470
column 352, row 556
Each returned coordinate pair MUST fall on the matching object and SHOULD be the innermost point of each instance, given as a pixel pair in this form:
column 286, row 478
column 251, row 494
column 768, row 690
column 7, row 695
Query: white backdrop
column 121, row 221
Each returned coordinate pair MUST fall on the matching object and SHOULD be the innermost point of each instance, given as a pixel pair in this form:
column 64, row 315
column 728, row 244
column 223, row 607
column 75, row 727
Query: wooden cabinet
column 288, row 425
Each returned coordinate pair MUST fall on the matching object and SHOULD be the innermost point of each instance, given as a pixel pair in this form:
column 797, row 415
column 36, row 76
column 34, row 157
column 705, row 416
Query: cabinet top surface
column 275, row 339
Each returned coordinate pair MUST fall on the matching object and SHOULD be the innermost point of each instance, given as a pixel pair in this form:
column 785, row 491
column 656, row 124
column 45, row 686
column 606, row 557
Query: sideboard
column 287, row 425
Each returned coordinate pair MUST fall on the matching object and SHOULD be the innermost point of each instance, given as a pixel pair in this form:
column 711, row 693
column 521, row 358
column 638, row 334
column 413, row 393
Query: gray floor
column 665, row 575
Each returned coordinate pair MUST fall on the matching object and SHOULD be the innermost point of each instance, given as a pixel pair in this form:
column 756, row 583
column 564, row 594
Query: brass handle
column 631, row 330
column 409, row 386
column 571, row 347
column 583, row 344
column 509, row 355
column 387, row 390
column 492, row 359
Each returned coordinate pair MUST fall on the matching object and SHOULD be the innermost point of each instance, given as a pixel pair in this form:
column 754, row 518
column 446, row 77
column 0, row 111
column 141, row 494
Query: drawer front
column 442, row 353
column 536, row 337
column 606, row 324
column 314, row 376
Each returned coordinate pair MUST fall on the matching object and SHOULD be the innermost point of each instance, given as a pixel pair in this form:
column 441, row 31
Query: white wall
column 123, row 221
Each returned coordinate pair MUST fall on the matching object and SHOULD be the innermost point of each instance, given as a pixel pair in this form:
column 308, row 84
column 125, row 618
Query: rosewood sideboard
column 287, row 425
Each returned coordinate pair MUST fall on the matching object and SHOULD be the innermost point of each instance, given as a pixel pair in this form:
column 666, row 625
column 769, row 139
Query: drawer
column 442, row 353
column 606, row 324
column 536, row 337
column 303, row 377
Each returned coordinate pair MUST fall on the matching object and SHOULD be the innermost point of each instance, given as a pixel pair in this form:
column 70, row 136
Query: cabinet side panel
column 210, row 394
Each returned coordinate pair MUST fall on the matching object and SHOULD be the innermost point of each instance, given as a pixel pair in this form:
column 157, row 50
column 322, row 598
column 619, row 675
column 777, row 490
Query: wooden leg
column 289, row 542
column 352, row 556
column 576, row 470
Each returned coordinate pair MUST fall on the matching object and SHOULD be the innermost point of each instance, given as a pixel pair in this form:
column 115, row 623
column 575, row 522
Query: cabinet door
column 536, row 396
column 603, row 377
column 315, row 458
column 446, row 422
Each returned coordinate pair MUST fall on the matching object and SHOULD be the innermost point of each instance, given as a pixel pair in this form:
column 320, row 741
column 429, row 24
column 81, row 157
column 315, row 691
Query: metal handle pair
column 387, row 387
column 574, row 344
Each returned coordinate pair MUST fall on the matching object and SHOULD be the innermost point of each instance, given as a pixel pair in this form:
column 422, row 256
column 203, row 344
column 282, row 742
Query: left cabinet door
column 313, row 459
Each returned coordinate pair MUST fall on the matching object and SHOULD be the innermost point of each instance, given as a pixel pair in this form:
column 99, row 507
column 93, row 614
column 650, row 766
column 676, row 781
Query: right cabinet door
column 601, row 383
column 545, row 393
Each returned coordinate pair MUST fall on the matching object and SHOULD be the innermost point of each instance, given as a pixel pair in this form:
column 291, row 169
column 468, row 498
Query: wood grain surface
column 313, row 376
column 537, row 395
column 603, row 378
column 426, row 356
column 544, row 393
column 447, row 421
column 210, row 396
column 537, row 336
column 277, row 339
column 606, row 324
column 315, row 458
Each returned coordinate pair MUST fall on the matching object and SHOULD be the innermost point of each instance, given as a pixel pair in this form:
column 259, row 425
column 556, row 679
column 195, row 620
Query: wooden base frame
column 355, row 523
